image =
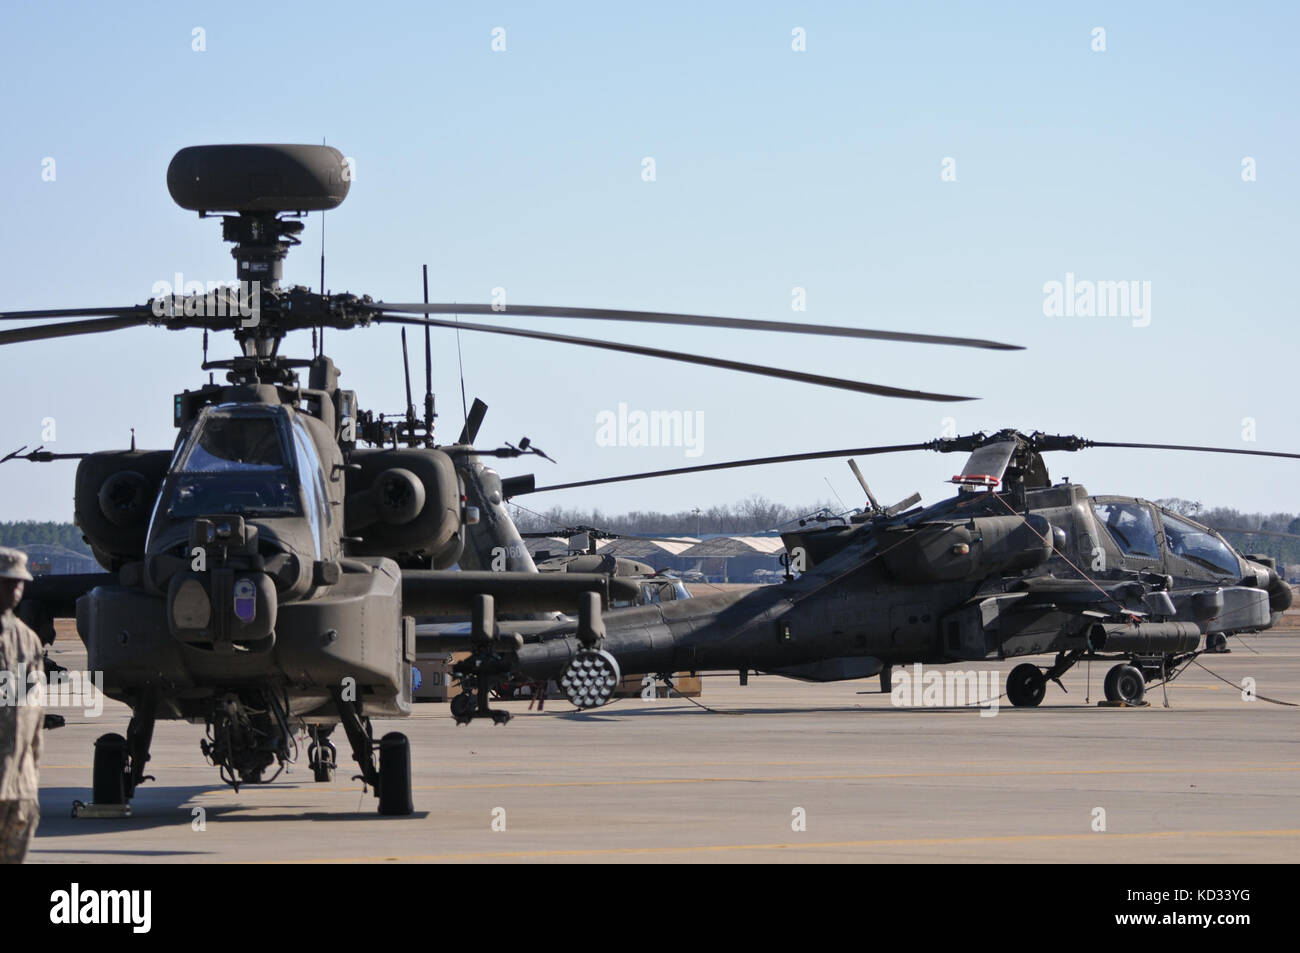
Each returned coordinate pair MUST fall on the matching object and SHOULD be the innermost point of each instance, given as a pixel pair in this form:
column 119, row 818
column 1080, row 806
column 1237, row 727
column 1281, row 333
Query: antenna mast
column 428, row 373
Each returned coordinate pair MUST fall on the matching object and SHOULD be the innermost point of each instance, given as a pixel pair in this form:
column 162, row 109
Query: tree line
column 756, row 514
column 22, row 533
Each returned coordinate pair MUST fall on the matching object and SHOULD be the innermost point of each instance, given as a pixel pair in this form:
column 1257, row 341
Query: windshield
column 1131, row 526
column 1193, row 543
column 235, row 463
column 266, row 494
column 225, row 442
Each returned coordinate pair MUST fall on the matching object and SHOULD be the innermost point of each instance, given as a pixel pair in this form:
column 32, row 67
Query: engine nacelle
column 395, row 497
column 404, row 504
column 981, row 546
column 113, row 500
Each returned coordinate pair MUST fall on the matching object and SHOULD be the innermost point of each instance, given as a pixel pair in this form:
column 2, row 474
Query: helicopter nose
column 222, row 608
column 1280, row 594
column 1266, row 577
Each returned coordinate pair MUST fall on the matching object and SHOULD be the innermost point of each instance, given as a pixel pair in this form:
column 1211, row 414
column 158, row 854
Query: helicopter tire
column 321, row 759
column 1124, row 683
column 1218, row 642
column 395, row 775
column 1026, row 686
column 109, row 775
column 322, row 772
column 1110, row 686
column 463, row 706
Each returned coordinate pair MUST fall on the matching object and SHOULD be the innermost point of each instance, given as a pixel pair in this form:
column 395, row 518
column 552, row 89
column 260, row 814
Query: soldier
column 20, row 723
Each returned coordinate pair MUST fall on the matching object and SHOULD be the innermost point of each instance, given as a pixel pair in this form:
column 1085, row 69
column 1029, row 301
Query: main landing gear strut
column 1027, row 683
column 391, row 779
column 119, row 762
column 1126, row 682
column 487, row 658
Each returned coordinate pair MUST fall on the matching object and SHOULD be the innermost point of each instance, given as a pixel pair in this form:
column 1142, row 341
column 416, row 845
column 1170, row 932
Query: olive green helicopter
column 262, row 577
column 1012, row 565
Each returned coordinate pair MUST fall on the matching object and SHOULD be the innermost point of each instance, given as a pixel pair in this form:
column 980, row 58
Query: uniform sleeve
column 38, row 740
column 38, row 664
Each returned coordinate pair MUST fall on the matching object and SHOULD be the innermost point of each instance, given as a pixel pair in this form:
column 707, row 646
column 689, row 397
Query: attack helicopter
column 1012, row 565
column 582, row 554
column 263, row 575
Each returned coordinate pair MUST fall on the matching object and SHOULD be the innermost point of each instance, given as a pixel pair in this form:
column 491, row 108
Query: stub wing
column 434, row 592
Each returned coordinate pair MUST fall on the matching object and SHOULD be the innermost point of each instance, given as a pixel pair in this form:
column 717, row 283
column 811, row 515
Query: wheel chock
column 82, row 809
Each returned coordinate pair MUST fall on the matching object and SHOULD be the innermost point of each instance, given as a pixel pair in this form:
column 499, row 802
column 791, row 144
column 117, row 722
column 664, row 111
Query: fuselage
column 942, row 584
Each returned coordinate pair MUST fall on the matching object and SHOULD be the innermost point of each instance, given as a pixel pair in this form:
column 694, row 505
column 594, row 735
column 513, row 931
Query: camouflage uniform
column 20, row 726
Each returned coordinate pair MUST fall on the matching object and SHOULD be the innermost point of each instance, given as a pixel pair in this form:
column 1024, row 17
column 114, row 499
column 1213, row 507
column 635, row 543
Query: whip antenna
column 428, row 373
column 406, row 369
column 322, row 268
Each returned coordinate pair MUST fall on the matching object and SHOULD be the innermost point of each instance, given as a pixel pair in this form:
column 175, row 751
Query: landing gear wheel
column 1218, row 642
column 1124, row 683
column 323, row 760
column 1108, row 686
column 1026, row 686
column 462, row 707
column 110, row 770
column 472, row 702
column 395, row 775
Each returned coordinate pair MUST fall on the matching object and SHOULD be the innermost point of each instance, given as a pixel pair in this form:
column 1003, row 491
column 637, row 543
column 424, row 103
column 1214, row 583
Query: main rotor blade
column 74, row 313
column 682, row 356
column 1171, row 446
column 42, row 332
column 733, row 464
column 603, row 534
column 899, row 448
column 690, row 320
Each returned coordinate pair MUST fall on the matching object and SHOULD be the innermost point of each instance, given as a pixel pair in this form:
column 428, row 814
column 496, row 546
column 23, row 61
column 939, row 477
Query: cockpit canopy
column 1139, row 529
column 236, row 460
column 246, row 485
column 232, row 440
column 1198, row 545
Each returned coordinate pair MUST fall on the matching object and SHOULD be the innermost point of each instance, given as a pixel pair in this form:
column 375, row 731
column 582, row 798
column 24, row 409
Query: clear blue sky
column 775, row 169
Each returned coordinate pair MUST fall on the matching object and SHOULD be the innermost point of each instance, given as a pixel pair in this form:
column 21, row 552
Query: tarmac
column 779, row 771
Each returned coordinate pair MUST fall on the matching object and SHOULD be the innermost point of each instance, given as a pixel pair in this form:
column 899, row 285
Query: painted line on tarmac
column 844, row 777
column 815, row 845
column 649, row 765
